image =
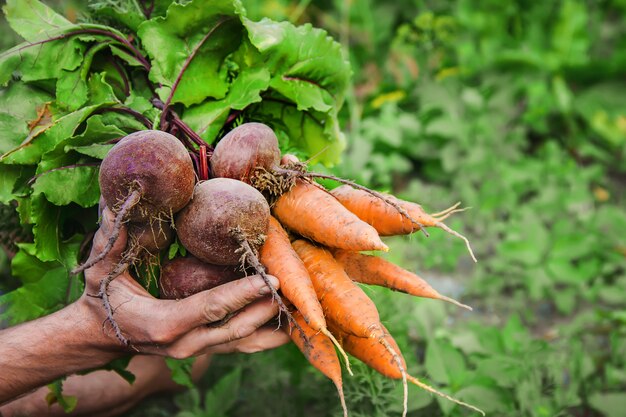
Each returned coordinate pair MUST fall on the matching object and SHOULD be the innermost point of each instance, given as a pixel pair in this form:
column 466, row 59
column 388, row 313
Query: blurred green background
column 518, row 110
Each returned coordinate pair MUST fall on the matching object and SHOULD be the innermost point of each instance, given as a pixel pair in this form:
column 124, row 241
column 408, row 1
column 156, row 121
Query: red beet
column 151, row 237
column 182, row 277
column 154, row 163
column 245, row 149
column 222, row 212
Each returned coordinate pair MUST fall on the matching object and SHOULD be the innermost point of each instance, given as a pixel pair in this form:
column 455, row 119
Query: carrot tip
column 455, row 302
column 430, row 389
column 326, row 332
column 446, row 211
column 460, row 236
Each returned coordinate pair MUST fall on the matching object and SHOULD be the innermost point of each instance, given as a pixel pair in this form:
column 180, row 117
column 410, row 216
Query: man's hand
column 176, row 328
column 79, row 336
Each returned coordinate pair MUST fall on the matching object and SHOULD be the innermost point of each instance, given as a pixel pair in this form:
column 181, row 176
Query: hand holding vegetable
column 72, row 339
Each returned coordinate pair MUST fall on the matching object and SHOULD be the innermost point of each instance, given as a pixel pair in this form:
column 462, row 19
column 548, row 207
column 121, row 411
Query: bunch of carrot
column 313, row 247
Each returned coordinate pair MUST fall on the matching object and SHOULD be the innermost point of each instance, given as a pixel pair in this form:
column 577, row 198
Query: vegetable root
column 385, row 217
column 320, row 353
column 249, row 258
column 281, row 260
column 315, row 214
column 120, row 218
column 372, row 270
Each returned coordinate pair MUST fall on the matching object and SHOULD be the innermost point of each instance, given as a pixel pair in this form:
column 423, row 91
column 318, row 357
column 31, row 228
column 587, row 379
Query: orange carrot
column 319, row 351
column 314, row 213
column 380, row 358
column 387, row 220
column 368, row 269
column 342, row 300
column 344, row 303
column 281, row 260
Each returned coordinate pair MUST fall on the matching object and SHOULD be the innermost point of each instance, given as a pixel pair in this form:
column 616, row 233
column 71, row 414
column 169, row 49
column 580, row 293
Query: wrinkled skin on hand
column 180, row 328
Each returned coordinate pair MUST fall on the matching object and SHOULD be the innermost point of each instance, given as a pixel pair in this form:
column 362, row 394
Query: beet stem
column 120, row 218
column 204, row 167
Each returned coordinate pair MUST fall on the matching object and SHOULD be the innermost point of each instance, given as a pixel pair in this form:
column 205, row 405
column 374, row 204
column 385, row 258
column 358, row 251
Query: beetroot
column 244, row 150
column 157, row 166
column 146, row 177
column 151, row 237
column 185, row 276
column 222, row 212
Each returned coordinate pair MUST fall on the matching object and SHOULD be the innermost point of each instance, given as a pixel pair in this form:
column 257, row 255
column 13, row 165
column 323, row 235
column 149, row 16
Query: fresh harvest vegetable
column 342, row 300
column 185, row 276
column 379, row 358
column 244, row 151
column 151, row 237
column 189, row 71
column 147, row 176
column 373, row 270
column 281, row 260
column 225, row 224
column 222, row 209
column 153, row 165
column 386, row 219
column 319, row 351
column 315, row 214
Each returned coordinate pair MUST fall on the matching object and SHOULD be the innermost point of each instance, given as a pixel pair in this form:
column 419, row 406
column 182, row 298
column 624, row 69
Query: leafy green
column 308, row 67
column 208, row 118
column 32, row 19
column 77, row 184
column 67, row 402
column 181, row 371
column 191, row 42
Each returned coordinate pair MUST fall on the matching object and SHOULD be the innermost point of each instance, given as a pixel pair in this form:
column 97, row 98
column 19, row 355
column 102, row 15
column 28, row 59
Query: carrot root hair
column 446, row 211
column 442, row 217
column 460, row 236
column 430, row 389
column 405, row 388
column 455, row 302
column 336, row 343
column 342, row 399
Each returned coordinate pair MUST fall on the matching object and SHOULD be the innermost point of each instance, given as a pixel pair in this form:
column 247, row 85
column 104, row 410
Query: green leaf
column 42, row 60
column 31, row 150
column 46, row 220
column 488, row 399
column 55, row 396
column 72, row 90
column 181, row 371
column 610, row 404
column 208, row 29
column 97, row 150
column 26, row 266
column 223, row 396
column 120, row 366
column 32, row 19
column 9, row 175
column 444, row 363
column 307, row 65
column 127, row 13
column 207, row 118
column 20, row 104
column 316, row 136
column 70, row 185
column 37, row 298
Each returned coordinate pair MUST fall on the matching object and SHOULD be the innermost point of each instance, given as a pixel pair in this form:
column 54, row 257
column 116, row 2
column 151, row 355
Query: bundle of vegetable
column 129, row 111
